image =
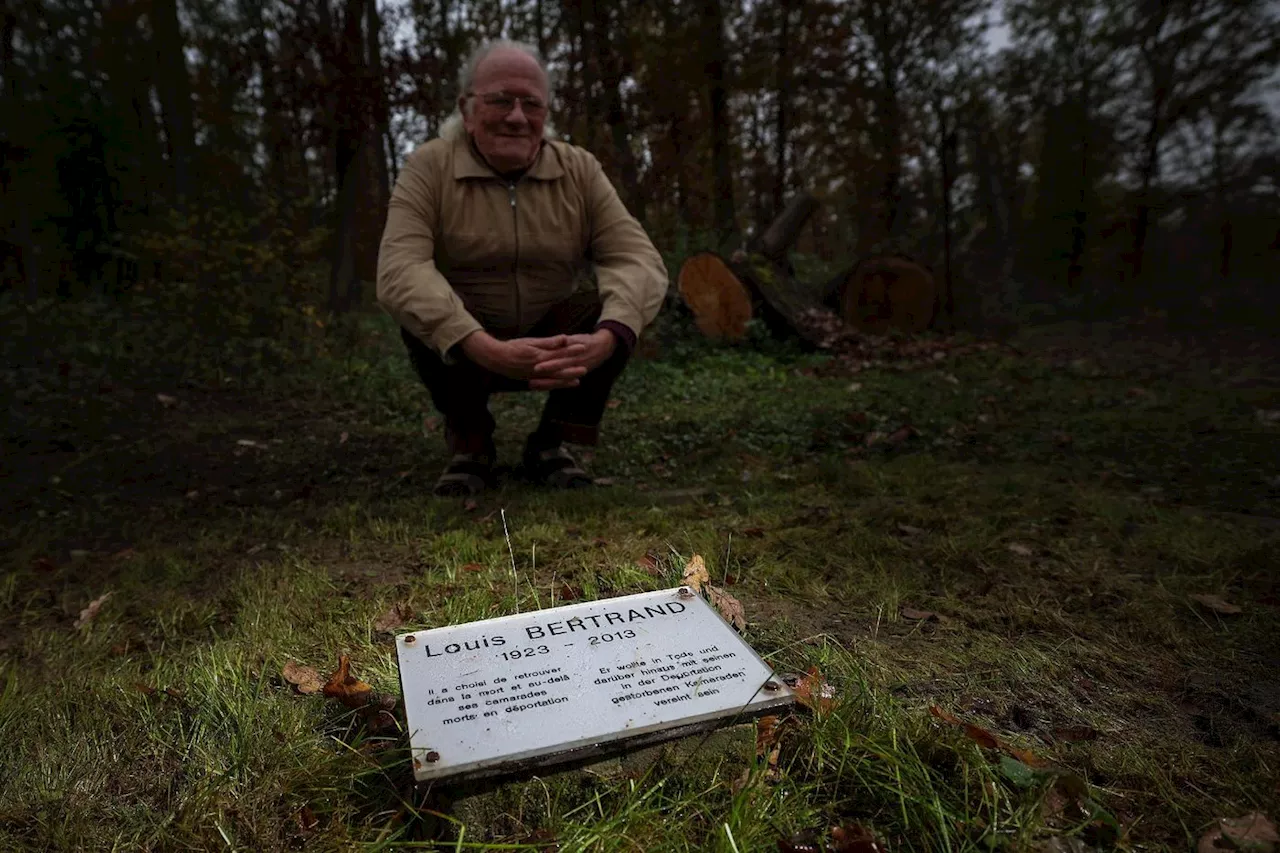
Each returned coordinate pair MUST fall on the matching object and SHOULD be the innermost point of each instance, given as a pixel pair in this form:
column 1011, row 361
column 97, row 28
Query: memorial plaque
column 497, row 695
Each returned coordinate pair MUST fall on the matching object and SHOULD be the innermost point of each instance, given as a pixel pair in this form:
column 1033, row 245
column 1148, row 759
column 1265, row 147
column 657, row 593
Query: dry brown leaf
column 730, row 608
column 901, row 434
column 87, row 615
column 855, row 838
column 145, row 689
column 1020, row 549
column 600, row 543
column 395, row 617
column 1253, row 833
column 346, row 688
column 695, row 574
column 306, row 679
column 473, row 567
column 767, row 731
column 813, row 692
column 649, row 563
column 307, row 819
column 753, row 532
column 568, row 592
column 986, row 739
column 1217, row 604
column 919, row 615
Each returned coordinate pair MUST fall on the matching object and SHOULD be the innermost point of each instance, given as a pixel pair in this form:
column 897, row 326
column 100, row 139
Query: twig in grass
column 515, row 580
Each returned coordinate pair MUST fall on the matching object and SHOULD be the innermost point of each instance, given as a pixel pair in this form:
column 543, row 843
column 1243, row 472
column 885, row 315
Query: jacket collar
column 467, row 163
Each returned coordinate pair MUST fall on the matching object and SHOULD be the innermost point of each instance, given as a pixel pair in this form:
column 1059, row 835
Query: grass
column 1053, row 507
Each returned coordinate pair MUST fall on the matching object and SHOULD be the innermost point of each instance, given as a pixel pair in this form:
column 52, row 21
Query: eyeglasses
column 505, row 103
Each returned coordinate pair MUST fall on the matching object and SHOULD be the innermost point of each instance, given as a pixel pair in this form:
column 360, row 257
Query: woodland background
column 1098, row 157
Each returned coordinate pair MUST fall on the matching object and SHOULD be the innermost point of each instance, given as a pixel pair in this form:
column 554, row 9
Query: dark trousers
column 461, row 391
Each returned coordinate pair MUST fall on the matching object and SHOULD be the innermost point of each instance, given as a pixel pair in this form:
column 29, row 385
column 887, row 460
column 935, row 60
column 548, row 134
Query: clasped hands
column 559, row 361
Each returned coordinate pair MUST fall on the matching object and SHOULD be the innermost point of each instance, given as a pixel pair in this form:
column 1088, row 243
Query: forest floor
column 1070, row 545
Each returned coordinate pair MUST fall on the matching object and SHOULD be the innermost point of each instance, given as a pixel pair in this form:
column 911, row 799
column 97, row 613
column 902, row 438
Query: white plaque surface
column 494, row 694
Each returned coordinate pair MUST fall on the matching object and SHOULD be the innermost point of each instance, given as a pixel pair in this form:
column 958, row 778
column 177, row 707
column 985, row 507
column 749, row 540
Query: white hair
column 453, row 127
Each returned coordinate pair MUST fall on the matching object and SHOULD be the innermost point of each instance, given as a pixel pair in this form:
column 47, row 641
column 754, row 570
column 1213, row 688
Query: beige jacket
column 464, row 249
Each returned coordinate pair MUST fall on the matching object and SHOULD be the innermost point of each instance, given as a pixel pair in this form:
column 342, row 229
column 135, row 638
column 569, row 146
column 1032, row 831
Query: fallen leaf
column 919, row 615
column 901, row 434
column 1217, row 604
column 569, row 592
column 855, row 838
column 767, row 732
column 753, row 532
column 977, row 734
column 1253, row 832
column 346, row 688
column 695, row 574
column 166, row 400
column 470, row 505
column 650, row 564
column 1020, row 549
column 986, row 739
column 87, row 615
column 813, row 692
column 145, row 689
column 473, row 567
column 1076, row 734
column 307, row 820
column 730, row 608
column 306, row 679
column 393, row 618
column 173, row 693
column 600, row 543
column 124, row 554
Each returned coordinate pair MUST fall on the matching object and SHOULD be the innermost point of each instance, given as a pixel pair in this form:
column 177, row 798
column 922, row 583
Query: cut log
column 720, row 303
column 883, row 293
column 786, row 305
column 784, row 230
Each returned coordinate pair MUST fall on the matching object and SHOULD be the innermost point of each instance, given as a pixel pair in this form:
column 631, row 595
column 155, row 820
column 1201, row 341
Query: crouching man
column 491, row 233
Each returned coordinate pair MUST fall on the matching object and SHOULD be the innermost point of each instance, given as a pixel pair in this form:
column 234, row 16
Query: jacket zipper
column 515, row 264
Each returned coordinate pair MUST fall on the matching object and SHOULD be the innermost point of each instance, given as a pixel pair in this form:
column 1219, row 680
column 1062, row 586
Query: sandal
column 554, row 467
column 466, row 475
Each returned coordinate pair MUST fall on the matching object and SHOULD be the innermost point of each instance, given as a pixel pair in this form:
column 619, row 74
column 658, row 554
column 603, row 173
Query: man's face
column 506, row 109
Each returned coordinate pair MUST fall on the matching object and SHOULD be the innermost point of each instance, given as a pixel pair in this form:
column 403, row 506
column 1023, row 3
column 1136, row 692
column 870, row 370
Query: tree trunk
column 615, row 65
column 540, row 26
column 718, row 94
column 946, row 149
column 173, row 85
column 376, row 82
column 781, row 127
column 352, row 111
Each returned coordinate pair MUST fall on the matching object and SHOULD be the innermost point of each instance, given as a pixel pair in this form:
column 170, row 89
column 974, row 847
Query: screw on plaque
column 685, row 592
column 433, row 757
column 410, row 640
column 771, row 685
